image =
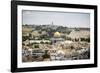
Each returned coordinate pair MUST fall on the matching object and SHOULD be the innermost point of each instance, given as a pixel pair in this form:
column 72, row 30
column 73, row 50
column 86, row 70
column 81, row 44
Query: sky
column 68, row 19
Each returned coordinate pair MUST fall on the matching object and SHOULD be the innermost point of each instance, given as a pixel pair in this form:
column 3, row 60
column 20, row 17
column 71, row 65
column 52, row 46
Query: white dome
column 60, row 52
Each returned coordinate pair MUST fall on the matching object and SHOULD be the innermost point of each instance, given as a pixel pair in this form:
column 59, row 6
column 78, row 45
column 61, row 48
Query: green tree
column 46, row 54
column 36, row 46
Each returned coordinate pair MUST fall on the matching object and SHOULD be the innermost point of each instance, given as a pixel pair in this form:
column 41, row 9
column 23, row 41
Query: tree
column 36, row 46
column 42, row 42
column 72, row 47
column 46, row 54
column 88, row 39
column 24, row 38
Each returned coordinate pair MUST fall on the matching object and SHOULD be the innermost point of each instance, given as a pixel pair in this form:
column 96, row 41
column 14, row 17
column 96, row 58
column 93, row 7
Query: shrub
column 36, row 46
column 42, row 42
column 24, row 38
column 76, row 39
column 46, row 55
column 72, row 47
column 85, row 39
column 88, row 39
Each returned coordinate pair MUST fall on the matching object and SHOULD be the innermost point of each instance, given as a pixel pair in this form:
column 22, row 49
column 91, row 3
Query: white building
column 79, row 34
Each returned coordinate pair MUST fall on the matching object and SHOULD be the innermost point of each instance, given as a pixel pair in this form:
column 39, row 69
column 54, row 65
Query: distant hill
column 54, row 27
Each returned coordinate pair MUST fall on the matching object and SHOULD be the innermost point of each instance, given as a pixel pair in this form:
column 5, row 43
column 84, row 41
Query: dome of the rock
column 57, row 34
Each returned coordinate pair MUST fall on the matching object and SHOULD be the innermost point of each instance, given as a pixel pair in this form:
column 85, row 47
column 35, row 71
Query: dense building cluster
column 52, row 43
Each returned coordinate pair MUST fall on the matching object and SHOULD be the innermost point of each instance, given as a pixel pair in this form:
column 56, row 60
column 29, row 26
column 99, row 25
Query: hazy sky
column 68, row 19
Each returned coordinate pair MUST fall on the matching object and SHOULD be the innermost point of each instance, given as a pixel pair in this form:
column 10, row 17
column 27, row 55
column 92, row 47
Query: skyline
column 67, row 19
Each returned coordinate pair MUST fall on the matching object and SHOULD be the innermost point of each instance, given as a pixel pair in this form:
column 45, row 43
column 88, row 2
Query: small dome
column 57, row 34
column 60, row 52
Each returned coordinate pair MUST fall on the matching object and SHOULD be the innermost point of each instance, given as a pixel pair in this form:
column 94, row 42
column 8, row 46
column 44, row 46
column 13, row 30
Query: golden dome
column 57, row 34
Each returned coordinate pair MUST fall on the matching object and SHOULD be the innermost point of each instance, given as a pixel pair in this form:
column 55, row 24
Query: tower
column 52, row 23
